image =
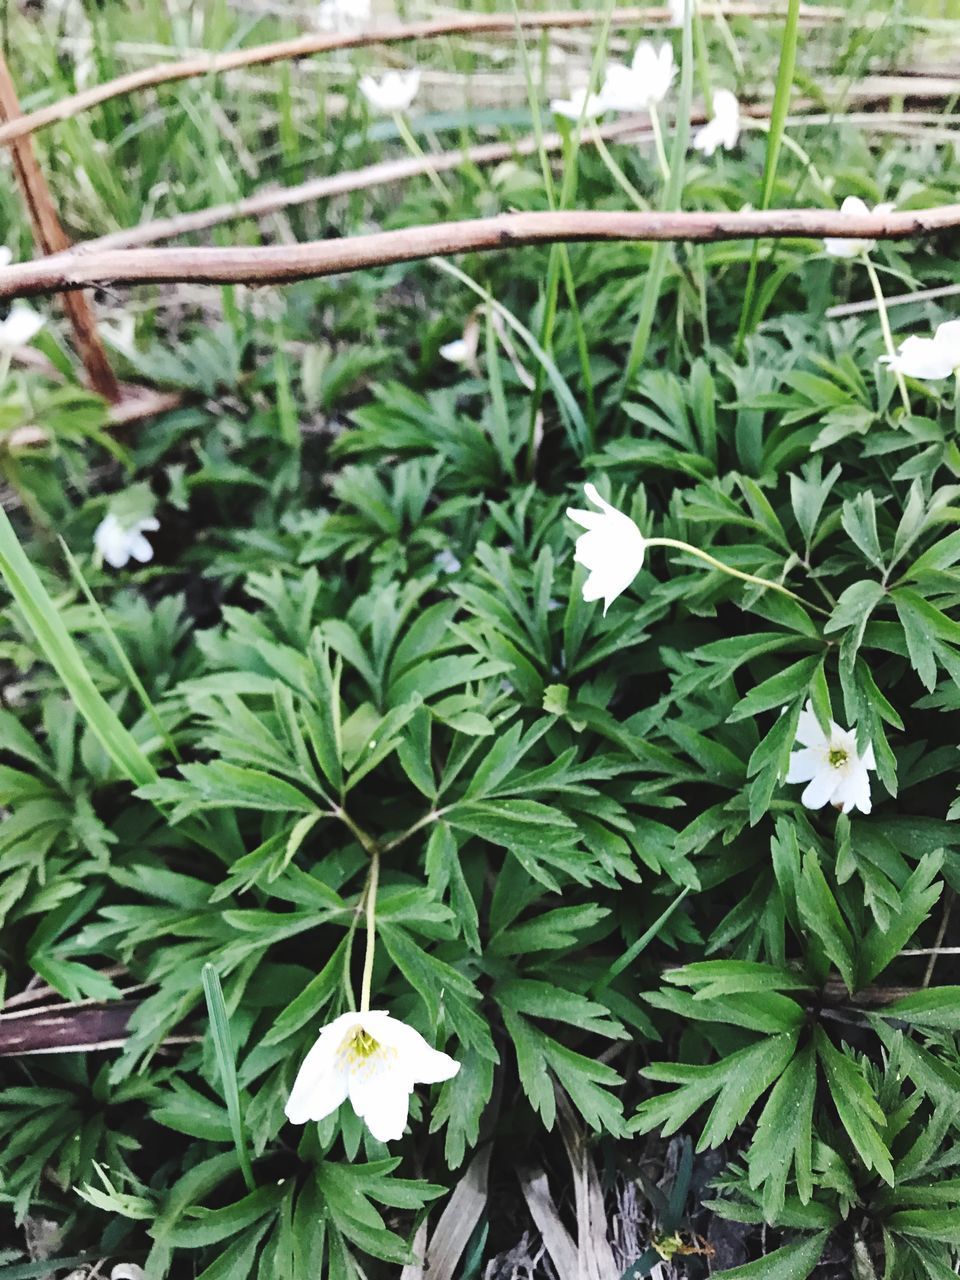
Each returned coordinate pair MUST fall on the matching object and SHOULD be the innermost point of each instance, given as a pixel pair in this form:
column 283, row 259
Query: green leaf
column 936, row 1007
column 792, row 1262
column 821, row 917
column 859, row 1111
column 226, row 1061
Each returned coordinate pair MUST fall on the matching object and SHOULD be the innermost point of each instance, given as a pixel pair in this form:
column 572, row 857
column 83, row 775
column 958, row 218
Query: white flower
column 612, row 549
column 117, row 542
column 833, row 770
column 677, row 12
column 839, row 246
column 724, row 129
column 20, row 327
column 372, row 1059
column 580, row 105
column 457, row 352
column 394, row 91
column 6, row 256
column 929, row 358
column 342, row 15
column 644, row 83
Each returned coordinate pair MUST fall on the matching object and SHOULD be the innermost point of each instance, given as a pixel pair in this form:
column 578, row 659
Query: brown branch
column 50, row 237
column 276, row 264
column 306, row 46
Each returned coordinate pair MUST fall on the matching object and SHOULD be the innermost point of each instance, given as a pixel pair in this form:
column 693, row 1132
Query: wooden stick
column 50, row 237
column 276, row 264
column 306, row 46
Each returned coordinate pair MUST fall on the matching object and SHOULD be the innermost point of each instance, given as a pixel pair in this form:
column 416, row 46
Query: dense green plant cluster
column 363, row 637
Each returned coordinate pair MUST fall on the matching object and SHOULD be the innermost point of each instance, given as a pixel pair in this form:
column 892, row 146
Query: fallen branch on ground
column 277, row 264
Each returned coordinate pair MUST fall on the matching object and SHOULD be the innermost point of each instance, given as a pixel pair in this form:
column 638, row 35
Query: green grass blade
column 226, row 1061
column 778, row 120
column 660, row 254
column 61, row 652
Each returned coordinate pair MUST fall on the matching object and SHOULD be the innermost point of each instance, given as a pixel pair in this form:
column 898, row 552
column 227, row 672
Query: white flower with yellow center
column 929, row 358
column 612, row 548
column 644, row 83
column 372, row 1059
column 393, row 92
column 724, row 129
column 841, row 246
column 832, row 768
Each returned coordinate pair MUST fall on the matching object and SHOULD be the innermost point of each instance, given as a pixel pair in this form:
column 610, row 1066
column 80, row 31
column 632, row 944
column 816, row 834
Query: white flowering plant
column 478, row 801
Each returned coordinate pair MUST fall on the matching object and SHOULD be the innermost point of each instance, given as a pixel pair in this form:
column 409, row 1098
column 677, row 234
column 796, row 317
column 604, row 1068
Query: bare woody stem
column 714, row 563
column 373, row 878
column 306, row 46
column 50, row 237
column 274, row 264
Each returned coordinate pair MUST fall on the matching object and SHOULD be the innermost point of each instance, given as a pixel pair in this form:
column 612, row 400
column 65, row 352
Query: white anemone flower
column 372, row 1059
column 724, row 129
column 840, row 246
column 612, row 549
column 929, row 358
column 6, row 256
column 580, row 105
column 117, row 542
column 832, row 768
column 644, row 83
column 20, row 327
column 677, row 12
column 394, row 91
column 342, row 15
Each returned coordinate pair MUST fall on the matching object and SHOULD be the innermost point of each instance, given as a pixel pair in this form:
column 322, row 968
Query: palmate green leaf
column 821, row 917
column 63, row 655
column 927, row 1224
column 935, row 1008
column 860, row 1113
column 738, row 1080
column 792, row 1262
column 783, row 1136
column 881, row 945
column 778, row 691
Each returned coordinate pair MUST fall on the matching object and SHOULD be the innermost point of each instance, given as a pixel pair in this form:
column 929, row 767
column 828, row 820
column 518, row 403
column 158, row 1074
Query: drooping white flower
column 724, row 129
column 929, row 358
column 20, row 327
column 118, row 542
column 372, row 1059
column 644, row 83
column 840, row 246
column 580, row 105
column 612, row 549
column 457, row 351
column 394, row 91
column 342, row 15
column 835, row 773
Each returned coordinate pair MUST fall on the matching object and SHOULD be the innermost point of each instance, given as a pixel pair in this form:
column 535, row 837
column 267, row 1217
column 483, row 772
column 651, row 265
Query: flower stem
column 885, row 327
column 415, row 149
column 658, row 142
column 726, row 568
column 373, row 877
column 616, row 172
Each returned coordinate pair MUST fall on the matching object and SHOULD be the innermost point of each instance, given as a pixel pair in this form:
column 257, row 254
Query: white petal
column 868, row 760
column 6, row 256
column 837, row 247
column 804, row 765
column 380, row 1095
column 456, row 351
column 854, row 790
column 20, row 327
column 809, row 733
column 853, row 205
column 423, row 1064
column 820, row 789
column 321, row 1083
column 924, row 358
column 140, row 548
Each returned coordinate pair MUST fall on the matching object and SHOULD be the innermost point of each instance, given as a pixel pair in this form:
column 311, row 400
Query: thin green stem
column 415, row 149
column 5, row 357
column 373, row 876
column 658, row 142
column 729, row 569
column 885, row 327
column 619, row 177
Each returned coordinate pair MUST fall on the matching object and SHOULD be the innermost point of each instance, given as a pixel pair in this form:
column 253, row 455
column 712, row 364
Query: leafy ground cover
column 668, row 875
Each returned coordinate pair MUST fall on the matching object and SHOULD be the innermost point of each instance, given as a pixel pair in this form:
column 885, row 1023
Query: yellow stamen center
column 837, row 757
